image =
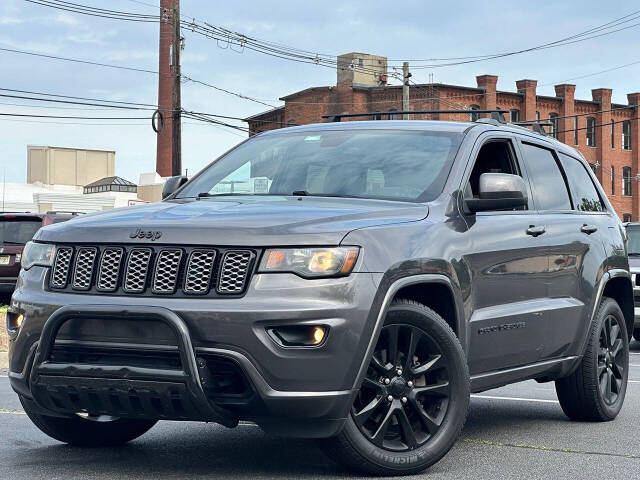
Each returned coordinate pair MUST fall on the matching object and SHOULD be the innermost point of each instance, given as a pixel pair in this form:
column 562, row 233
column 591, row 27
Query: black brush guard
column 122, row 391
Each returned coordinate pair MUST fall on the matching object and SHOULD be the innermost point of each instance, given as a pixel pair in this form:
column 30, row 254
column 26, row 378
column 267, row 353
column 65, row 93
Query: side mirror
column 498, row 191
column 172, row 184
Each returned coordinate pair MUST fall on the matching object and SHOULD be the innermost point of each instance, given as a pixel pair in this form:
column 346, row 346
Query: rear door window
column 584, row 193
column 547, row 181
column 18, row 231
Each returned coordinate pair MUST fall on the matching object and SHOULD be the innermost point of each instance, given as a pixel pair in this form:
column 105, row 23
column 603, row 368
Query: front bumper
column 293, row 391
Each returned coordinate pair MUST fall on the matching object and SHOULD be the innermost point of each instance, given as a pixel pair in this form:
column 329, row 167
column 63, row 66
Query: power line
column 239, row 95
column 121, row 67
column 278, row 50
column 75, row 60
column 71, row 117
column 105, row 103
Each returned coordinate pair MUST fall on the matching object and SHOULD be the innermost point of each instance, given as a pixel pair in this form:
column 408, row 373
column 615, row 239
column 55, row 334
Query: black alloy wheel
column 611, row 360
column 596, row 389
column 413, row 399
column 405, row 394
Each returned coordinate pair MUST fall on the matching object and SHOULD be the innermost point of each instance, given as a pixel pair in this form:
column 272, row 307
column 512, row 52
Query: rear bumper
column 304, row 392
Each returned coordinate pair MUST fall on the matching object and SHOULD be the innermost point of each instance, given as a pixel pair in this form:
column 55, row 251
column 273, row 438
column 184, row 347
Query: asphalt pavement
column 515, row 432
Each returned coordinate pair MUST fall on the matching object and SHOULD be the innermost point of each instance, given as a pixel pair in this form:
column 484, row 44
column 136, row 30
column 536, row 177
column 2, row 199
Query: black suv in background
column 16, row 229
column 633, row 234
column 351, row 282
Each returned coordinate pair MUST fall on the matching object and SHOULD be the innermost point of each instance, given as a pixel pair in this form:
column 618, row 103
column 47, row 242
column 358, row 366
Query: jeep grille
column 152, row 271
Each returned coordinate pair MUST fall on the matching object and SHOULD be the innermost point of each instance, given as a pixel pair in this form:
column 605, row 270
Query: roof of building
column 72, row 148
column 111, row 181
column 266, row 112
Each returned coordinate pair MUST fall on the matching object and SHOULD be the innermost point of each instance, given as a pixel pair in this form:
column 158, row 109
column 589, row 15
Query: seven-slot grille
column 159, row 271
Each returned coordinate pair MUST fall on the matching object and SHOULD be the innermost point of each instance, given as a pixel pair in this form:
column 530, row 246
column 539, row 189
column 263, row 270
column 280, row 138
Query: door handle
column 534, row 231
column 588, row 229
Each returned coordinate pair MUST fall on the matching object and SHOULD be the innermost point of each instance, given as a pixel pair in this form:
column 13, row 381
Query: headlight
column 310, row 262
column 37, row 254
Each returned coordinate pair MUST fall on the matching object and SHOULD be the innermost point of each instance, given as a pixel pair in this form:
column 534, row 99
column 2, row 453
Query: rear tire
column 406, row 424
column 82, row 432
column 595, row 391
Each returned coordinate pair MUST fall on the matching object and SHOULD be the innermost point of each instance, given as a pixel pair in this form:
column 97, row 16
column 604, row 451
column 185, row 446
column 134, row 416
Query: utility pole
column 168, row 155
column 405, row 89
column 176, row 154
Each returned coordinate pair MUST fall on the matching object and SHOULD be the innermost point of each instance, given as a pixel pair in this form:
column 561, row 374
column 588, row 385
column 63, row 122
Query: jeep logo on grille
column 148, row 234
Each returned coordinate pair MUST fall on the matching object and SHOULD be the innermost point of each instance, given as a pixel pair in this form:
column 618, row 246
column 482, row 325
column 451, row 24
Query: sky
column 407, row 30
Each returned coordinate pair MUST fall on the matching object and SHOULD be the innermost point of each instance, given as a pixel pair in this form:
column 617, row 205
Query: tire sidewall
column 441, row 443
column 609, row 307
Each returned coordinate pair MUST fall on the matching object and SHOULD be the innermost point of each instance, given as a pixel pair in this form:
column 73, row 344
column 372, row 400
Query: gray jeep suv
column 351, row 282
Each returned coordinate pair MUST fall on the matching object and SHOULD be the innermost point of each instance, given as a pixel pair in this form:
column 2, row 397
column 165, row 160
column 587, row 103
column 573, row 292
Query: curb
column 4, row 360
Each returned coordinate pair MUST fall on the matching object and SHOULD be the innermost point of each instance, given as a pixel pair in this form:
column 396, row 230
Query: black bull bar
column 124, row 391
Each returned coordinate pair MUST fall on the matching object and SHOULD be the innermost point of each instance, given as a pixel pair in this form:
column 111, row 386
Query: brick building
column 607, row 134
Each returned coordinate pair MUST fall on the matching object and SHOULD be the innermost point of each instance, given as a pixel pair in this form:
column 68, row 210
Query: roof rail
column 536, row 126
column 498, row 114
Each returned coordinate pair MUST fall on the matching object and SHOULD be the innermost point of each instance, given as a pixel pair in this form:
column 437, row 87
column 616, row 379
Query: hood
column 235, row 221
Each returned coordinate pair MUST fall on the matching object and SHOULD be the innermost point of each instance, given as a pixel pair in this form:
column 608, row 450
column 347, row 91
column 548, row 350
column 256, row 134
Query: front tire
column 414, row 398
column 595, row 391
column 85, row 432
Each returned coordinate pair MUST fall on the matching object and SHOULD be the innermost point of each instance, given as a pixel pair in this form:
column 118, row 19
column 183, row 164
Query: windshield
column 18, row 231
column 633, row 245
column 397, row 165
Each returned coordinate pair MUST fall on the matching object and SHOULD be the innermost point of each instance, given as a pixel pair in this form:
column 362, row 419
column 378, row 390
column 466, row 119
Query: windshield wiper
column 634, row 254
column 11, row 243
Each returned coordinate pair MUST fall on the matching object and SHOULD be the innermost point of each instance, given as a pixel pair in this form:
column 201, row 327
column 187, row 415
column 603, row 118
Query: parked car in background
column 633, row 250
column 16, row 229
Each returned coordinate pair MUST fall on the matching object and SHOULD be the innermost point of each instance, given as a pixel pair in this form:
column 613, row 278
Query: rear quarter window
column 584, row 193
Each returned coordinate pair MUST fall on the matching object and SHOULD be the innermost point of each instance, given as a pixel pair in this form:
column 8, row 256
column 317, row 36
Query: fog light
column 318, row 335
column 14, row 322
column 299, row 335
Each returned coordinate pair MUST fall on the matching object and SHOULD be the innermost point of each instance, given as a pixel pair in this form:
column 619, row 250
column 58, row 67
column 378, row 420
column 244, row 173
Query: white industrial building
column 81, row 181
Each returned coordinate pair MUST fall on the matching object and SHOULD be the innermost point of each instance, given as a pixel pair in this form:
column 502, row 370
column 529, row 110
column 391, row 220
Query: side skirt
column 549, row 369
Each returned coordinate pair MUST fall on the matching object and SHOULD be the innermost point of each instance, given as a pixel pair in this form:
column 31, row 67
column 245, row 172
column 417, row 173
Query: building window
column 591, row 132
column 537, row 116
column 626, row 181
column 473, row 117
column 553, row 129
column 626, row 135
column 575, row 130
column 514, row 115
column 393, row 116
column 377, row 116
column 626, row 217
column 613, row 180
column 613, row 134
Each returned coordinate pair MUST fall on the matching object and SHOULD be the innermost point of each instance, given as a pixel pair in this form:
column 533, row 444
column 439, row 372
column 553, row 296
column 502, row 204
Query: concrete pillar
column 603, row 139
column 528, row 106
column 565, row 122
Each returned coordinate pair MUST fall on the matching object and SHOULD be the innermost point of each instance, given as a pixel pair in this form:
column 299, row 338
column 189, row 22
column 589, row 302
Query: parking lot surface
column 517, row 431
